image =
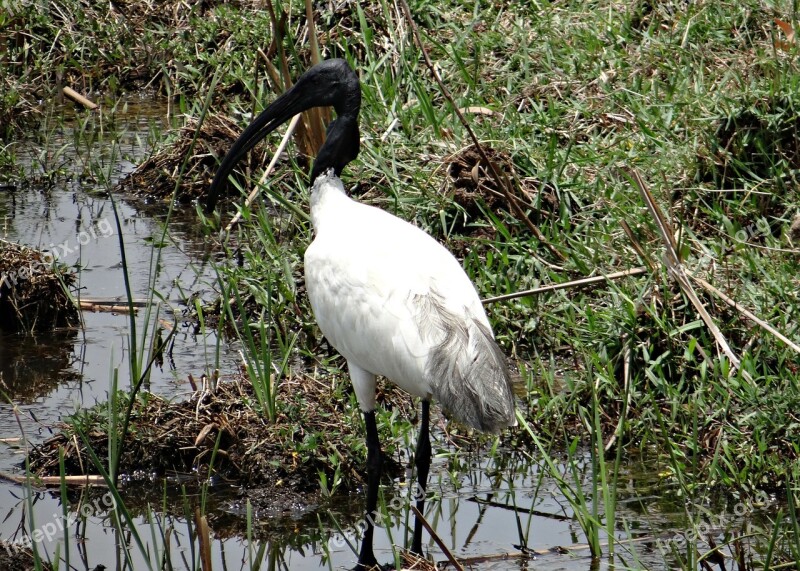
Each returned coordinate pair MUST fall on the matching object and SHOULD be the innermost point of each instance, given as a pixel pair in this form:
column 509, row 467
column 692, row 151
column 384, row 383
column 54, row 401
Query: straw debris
column 159, row 175
column 14, row 557
column 178, row 438
column 32, row 292
column 474, row 191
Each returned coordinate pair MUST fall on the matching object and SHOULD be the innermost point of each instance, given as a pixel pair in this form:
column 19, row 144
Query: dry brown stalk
column 83, row 480
column 204, row 538
column 442, row 545
column 566, row 285
column 77, row 97
column 675, row 268
column 115, row 307
column 747, row 313
column 637, row 246
column 254, row 193
column 310, row 133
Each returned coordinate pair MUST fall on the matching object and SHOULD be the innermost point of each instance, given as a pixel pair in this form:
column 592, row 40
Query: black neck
column 342, row 143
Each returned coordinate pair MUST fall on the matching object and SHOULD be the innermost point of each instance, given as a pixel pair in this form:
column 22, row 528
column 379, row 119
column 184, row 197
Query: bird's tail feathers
column 469, row 374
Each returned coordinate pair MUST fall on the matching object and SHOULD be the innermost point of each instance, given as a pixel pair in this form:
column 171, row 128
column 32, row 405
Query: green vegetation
column 568, row 99
column 582, row 94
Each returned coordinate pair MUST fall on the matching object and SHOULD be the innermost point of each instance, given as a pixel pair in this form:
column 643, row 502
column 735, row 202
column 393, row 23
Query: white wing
column 394, row 301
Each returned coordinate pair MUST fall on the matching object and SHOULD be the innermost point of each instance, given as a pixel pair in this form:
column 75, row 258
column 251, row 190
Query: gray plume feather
column 467, row 370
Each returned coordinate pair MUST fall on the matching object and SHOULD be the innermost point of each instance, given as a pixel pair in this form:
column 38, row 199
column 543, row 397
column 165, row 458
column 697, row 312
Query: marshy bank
column 33, row 294
column 660, row 407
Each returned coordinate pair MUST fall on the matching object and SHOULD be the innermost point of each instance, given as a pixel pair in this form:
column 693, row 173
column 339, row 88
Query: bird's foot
column 367, row 560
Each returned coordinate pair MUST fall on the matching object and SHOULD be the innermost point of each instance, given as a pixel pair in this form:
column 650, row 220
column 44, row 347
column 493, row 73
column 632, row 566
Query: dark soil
column 756, row 142
column 752, row 141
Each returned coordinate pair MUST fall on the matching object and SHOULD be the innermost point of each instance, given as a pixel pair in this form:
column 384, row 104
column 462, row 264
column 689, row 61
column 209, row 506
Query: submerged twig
column 532, row 512
column 107, row 307
column 442, row 545
column 527, row 552
column 106, row 301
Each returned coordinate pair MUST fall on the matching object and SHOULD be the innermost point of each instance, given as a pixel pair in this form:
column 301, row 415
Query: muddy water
column 484, row 512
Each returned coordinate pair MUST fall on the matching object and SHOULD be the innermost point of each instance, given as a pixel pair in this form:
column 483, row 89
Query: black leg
column 422, row 460
column 366, row 558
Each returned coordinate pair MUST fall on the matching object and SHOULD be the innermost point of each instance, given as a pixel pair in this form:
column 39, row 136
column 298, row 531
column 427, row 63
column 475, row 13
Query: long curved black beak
column 329, row 83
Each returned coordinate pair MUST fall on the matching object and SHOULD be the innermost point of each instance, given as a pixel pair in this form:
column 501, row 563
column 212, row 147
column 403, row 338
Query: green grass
column 584, row 91
column 702, row 104
column 696, row 97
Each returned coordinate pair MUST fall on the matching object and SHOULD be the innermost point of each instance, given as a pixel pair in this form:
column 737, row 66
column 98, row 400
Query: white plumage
column 387, row 295
column 363, row 270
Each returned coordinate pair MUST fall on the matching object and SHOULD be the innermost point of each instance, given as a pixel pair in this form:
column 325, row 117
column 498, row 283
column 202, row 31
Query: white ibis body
column 386, row 295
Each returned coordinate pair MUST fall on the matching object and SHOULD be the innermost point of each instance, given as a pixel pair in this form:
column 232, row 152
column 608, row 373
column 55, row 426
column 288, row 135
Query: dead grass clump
column 471, row 182
column 32, row 295
column 341, row 19
column 159, row 174
column 312, row 434
column 15, row 557
column 475, row 193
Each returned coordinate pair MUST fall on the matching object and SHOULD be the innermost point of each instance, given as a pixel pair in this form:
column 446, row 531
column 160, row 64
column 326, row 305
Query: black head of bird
column 331, row 83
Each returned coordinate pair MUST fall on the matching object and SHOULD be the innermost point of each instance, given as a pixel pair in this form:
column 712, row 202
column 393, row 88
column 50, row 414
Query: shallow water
column 483, row 515
column 53, row 374
column 476, row 516
column 479, row 509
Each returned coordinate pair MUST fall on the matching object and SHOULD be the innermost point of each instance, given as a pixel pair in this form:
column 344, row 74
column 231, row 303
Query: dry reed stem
column 675, row 268
column 83, row 480
column 254, row 193
column 566, row 285
column 442, row 545
column 204, row 539
column 75, row 96
column 746, row 313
